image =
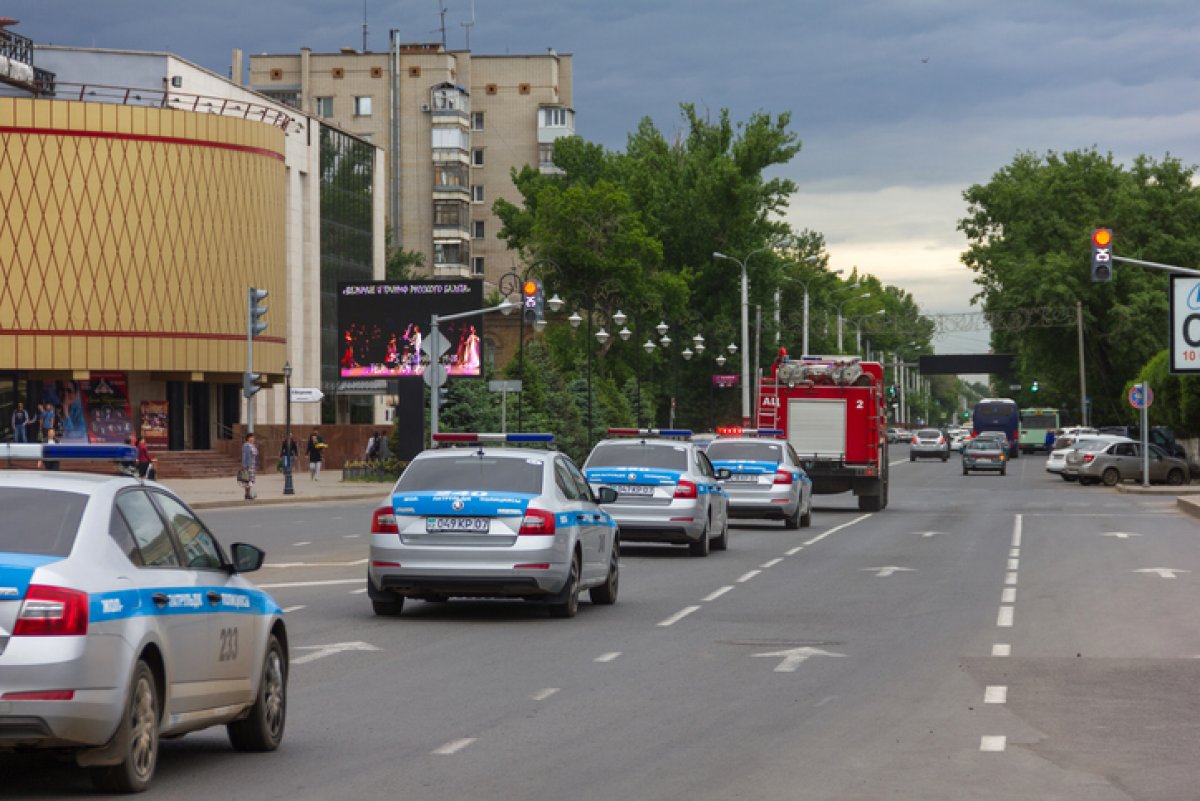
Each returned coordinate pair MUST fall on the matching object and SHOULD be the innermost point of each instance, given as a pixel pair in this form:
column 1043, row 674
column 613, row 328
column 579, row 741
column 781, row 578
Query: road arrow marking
column 322, row 651
column 794, row 657
column 884, row 572
column 1121, row 535
column 1163, row 572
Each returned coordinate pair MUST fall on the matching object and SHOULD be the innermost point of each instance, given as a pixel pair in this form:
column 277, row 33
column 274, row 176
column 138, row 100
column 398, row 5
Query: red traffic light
column 529, row 288
column 1102, row 237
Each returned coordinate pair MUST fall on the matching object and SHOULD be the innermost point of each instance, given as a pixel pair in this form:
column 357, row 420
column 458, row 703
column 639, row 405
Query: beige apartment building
column 454, row 125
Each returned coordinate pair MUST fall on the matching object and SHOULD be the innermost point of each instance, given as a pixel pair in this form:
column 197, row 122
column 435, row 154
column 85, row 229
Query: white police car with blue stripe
column 122, row 620
column 766, row 479
column 493, row 522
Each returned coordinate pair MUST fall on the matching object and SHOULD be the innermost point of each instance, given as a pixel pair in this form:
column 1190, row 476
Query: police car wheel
column 806, row 518
column 721, row 543
column 262, row 730
column 389, row 607
column 566, row 603
column 792, row 521
column 138, row 738
column 606, row 593
column 703, row 545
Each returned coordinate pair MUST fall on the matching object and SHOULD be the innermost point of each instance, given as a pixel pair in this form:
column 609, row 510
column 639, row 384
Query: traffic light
column 1034, row 386
column 252, row 383
column 533, row 301
column 891, row 391
column 255, row 310
column 1101, row 255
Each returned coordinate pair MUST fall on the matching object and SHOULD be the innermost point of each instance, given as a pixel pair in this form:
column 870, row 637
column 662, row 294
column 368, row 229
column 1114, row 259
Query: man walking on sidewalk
column 20, row 420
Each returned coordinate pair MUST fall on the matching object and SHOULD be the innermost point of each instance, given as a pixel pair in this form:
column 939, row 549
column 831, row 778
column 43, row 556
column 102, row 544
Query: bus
column 998, row 414
column 1034, row 425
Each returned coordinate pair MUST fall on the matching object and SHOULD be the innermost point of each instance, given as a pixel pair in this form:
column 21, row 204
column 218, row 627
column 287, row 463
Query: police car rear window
column 37, row 521
column 636, row 454
column 497, row 474
column 745, row 451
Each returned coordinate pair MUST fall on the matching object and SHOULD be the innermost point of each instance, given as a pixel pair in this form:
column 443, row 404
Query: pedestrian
column 315, row 452
column 249, row 468
column 144, row 461
column 20, row 419
column 49, row 420
column 288, row 452
column 1051, row 438
column 374, row 443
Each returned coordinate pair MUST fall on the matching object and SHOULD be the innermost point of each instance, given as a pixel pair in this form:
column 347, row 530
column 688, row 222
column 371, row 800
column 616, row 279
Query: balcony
column 16, row 64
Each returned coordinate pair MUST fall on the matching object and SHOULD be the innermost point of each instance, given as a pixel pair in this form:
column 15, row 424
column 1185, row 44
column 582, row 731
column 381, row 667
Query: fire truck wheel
column 869, row 503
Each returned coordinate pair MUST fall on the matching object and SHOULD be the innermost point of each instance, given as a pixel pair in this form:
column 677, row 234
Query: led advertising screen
column 384, row 327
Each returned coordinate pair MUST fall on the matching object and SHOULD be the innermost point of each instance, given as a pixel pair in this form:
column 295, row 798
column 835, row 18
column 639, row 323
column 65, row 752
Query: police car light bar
column 68, row 452
column 653, row 432
column 737, row 431
column 474, row 437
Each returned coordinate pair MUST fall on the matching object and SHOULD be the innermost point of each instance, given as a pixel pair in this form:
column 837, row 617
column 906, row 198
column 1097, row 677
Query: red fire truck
column 833, row 412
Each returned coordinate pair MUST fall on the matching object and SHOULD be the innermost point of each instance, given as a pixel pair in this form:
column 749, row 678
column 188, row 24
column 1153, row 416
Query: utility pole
column 1083, row 404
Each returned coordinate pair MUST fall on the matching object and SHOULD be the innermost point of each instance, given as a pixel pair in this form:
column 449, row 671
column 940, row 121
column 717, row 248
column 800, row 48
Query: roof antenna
column 469, row 25
column 364, row 26
column 442, row 14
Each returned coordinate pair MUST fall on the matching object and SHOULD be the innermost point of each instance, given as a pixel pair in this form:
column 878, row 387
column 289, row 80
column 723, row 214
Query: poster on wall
column 154, row 424
column 384, row 324
column 95, row 410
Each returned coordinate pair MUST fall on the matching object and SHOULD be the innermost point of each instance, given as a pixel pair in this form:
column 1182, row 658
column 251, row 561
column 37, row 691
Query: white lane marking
column 884, row 572
column 1001, row 649
column 302, row 542
column 454, row 746
column 351, row 536
column 929, row 534
column 772, row 563
column 898, row 461
column 836, row 529
column 359, row 591
column 747, row 576
column 993, row 743
column 794, row 657
column 290, row 609
column 1010, row 578
column 1163, row 572
column 1015, row 553
column 1005, row 618
column 826, row 700
column 995, row 694
column 610, row 656
column 1016, row 538
column 355, row 563
column 1121, row 535
column 1014, row 564
column 712, row 596
column 1008, row 595
column 678, row 616
column 794, row 551
column 322, row 651
column 542, row 695
column 358, row 580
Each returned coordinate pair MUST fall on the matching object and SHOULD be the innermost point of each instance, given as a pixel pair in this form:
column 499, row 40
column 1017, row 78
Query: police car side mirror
column 723, row 473
column 247, row 558
column 606, row 495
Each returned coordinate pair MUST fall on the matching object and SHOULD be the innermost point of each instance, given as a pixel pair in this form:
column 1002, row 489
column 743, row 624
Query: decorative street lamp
column 288, row 487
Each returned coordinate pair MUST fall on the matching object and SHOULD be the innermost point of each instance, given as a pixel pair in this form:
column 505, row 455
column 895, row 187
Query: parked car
column 1056, row 462
column 1114, row 462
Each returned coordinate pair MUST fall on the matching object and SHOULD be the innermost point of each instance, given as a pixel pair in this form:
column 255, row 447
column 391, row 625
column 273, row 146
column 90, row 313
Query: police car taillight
column 537, row 523
column 685, row 489
column 52, row 612
column 384, row 521
column 783, row 477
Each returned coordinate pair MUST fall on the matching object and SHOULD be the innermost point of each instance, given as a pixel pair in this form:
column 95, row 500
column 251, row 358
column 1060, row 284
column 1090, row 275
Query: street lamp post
column 508, row 284
column 745, row 324
column 840, row 306
column 288, row 487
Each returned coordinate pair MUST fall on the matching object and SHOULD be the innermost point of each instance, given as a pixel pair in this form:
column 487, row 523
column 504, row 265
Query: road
column 984, row 637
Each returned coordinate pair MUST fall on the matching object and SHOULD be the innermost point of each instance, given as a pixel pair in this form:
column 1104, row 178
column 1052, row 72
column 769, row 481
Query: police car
column 493, row 522
column 122, row 620
column 667, row 490
column 766, row 479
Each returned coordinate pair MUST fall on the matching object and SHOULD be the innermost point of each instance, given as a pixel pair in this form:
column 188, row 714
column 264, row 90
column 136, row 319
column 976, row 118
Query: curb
column 239, row 503
column 1138, row 489
column 1189, row 506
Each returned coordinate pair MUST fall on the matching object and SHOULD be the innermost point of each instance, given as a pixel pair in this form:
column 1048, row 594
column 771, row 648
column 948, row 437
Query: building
column 454, row 123
column 144, row 197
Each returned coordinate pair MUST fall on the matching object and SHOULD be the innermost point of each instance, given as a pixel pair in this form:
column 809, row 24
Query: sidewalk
column 1187, row 497
column 218, row 493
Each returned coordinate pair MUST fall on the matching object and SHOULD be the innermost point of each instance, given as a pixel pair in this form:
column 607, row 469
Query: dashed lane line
column 1011, row 578
column 772, row 563
column 354, row 563
column 748, row 575
column 712, row 596
column 454, row 746
column 995, row 694
column 794, row 551
column 678, row 616
column 993, row 743
column 1016, row 537
column 302, row 542
column 327, row 583
column 1005, row 618
column 836, row 529
column 609, row 657
column 1008, row 595
column 542, row 695
column 289, row 609
column 359, row 591
column 1001, row 649
column 1014, row 564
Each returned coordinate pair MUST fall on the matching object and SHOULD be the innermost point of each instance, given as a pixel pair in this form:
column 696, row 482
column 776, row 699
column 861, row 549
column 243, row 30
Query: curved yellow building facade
column 129, row 236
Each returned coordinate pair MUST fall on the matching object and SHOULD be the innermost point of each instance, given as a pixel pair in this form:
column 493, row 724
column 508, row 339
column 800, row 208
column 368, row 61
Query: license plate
column 634, row 489
column 473, row 524
column 747, row 477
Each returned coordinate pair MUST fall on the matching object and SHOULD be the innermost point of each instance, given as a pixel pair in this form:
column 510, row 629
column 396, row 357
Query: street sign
column 504, row 386
column 1185, row 324
column 433, row 346
column 307, row 395
column 1140, row 398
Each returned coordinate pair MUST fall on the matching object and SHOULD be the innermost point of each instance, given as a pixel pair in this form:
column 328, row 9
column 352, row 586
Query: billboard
column 383, row 327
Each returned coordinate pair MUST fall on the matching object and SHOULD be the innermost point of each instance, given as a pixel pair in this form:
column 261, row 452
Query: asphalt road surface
column 984, row 637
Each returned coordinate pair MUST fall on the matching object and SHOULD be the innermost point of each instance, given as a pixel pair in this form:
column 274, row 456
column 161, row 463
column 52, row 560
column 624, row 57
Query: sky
column 900, row 105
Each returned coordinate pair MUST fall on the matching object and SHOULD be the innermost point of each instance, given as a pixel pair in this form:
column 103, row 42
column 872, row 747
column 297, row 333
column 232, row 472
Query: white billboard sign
column 1185, row 324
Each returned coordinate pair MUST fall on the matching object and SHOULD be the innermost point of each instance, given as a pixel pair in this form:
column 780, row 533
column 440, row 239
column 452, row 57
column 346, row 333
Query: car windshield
column 37, row 521
column 929, row 433
column 473, row 472
column 983, row 445
column 640, row 454
column 745, row 451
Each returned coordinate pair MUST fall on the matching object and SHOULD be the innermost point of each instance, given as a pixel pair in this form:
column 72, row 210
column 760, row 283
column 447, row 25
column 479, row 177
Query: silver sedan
column 765, row 479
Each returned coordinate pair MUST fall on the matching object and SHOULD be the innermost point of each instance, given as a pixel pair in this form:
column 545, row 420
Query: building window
column 449, row 213
column 449, row 175
column 554, row 118
column 477, row 265
column 362, row 106
column 477, row 193
column 477, row 121
column 477, row 228
column 324, row 106
column 448, row 253
column 477, row 157
column 546, row 154
column 447, row 138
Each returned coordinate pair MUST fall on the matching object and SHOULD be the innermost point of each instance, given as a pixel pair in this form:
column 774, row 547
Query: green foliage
column 1029, row 231
column 1176, row 397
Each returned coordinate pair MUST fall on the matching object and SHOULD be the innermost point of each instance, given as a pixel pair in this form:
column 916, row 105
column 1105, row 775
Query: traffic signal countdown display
column 1101, row 255
column 533, row 301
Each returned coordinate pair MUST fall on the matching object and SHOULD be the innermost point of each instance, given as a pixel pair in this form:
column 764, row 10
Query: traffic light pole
column 249, row 360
